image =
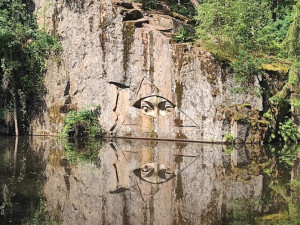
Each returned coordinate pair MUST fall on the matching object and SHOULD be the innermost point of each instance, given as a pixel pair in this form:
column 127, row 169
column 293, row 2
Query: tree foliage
column 83, row 123
column 250, row 30
column 238, row 28
column 292, row 41
column 231, row 24
column 251, row 34
column 235, row 25
column 23, row 47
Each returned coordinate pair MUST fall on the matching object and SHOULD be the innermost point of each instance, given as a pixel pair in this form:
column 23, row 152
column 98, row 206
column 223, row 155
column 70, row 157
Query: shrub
column 229, row 138
column 80, row 130
column 186, row 9
column 288, row 131
column 83, row 123
column 183, row 35
column 245, row 69
column 271, row 132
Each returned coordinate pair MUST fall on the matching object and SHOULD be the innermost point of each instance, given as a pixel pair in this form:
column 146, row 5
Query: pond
column 46, row 181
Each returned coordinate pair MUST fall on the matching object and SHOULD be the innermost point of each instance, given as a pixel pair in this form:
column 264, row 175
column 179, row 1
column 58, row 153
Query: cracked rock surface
column 114, row 54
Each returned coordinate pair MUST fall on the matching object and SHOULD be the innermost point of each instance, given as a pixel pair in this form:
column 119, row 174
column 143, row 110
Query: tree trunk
column 195, row 3
column 15, row 154
column 16, row 116
column 273, row 7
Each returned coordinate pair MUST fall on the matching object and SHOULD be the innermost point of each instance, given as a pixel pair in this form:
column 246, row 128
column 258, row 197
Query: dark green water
column 43, row 181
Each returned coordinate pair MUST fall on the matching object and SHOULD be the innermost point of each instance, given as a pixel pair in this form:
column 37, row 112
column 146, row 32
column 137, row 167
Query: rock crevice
column 184, row 92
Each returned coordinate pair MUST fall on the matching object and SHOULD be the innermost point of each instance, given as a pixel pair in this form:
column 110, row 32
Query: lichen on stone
column 128, row 38
column 179, row 93
column 276, row 67
column 55, row 114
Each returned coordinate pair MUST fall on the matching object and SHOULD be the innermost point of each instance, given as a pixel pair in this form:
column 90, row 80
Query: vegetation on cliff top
column 260, row 39
column 248, row 33
column 255, row 37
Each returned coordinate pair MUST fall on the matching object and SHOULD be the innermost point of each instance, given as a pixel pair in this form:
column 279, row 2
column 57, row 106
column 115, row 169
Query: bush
column 229, row 138
column 185, row 9
column 83, row 123
column 183, row 35
column 288, row 131
column 233, row 24
column 249, row 25
column 80, row 130
column 245, row 69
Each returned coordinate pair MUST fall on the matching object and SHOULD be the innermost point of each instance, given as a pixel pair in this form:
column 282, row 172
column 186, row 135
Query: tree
column 195, row 3
column 292, row 44
column 233, row 24
column 292, row 40
column 22, row 53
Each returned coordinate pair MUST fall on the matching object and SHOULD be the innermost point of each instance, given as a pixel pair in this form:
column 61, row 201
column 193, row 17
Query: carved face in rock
column 154, row 106
column 154, row 173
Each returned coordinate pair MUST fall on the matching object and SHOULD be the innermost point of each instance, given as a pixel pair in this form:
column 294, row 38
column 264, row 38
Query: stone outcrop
column 116, row 55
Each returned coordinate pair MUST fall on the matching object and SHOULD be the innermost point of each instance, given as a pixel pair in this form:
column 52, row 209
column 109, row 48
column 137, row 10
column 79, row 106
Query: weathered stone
column 141, row 22
column 170, row 90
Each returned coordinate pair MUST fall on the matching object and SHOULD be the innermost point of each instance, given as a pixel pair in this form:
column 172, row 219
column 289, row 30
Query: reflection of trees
column 280, row 203
column 8, row 169
column 289, row 192
column 83, row 150
column 20, row 182
column 285, row 154
column 282, row 185
column 208, row 187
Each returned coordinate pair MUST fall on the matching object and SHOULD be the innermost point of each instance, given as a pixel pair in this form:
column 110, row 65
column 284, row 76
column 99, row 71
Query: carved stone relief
column 154, row 106
column 148, row 112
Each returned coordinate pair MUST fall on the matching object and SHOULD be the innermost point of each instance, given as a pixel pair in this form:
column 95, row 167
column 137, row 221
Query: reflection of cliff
column 177, row 184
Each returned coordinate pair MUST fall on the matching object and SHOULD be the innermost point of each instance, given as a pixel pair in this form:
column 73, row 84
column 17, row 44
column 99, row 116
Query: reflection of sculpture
column 120, row 167
column 154, row 106
column 154, row 173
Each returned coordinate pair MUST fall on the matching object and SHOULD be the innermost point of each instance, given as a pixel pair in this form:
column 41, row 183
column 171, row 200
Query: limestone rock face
column 125, row 60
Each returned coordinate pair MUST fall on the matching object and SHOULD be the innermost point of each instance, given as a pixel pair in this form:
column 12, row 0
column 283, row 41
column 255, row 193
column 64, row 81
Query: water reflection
column 154, row 173
column 147, row 182
column 20, row 181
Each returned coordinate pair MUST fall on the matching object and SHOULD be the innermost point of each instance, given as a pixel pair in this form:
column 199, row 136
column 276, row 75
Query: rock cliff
column 120, row 57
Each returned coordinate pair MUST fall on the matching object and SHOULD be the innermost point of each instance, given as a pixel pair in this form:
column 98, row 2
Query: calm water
column 43, row 181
